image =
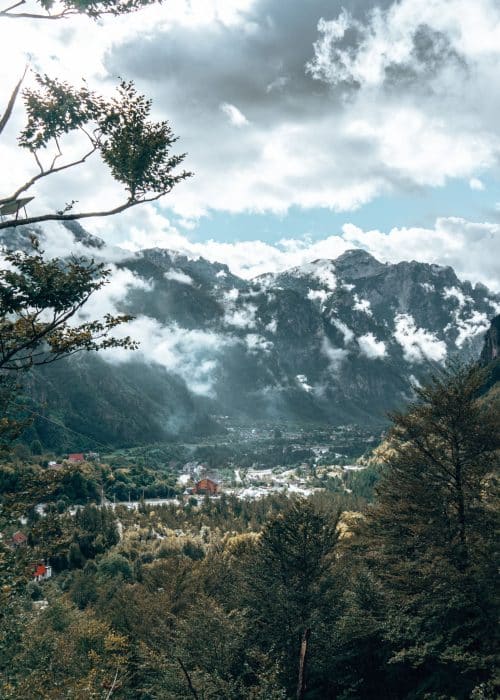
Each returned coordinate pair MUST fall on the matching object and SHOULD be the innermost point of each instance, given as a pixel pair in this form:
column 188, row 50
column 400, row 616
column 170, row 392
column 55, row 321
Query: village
column 260, row 463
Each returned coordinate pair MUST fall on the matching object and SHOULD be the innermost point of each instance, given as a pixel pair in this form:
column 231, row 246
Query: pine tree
column 290, row 585
column 431, row 536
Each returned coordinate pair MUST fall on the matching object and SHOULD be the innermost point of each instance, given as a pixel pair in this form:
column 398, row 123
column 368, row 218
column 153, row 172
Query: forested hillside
column 350, row 594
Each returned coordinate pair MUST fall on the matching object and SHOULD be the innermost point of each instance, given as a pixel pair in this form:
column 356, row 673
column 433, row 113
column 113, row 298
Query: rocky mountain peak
column 357, row 264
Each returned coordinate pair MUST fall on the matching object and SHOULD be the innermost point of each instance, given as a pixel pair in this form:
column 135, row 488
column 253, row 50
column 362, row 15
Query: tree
column 430, row 536
column 92, row 8
column 289, row 586
column 135, row 149
column 39, row 300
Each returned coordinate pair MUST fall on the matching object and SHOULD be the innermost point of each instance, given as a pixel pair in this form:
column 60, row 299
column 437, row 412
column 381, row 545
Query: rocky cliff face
column 491, row 348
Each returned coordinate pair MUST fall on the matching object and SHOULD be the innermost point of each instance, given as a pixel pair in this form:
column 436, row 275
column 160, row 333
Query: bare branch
column 81, row 215
column 52, row 171
column 188, row 678
column 33, row 15
column 10, row 106
column 13, row 7
column 35, row 155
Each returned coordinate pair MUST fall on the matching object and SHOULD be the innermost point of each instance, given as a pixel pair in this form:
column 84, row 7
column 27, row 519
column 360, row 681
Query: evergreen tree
column 430, row 537
column 290, row 590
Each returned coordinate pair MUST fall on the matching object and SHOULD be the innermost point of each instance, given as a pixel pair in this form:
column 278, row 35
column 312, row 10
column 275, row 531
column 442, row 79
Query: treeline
column 311, row 599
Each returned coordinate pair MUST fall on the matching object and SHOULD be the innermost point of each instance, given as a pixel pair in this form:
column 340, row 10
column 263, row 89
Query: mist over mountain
column 333, row 341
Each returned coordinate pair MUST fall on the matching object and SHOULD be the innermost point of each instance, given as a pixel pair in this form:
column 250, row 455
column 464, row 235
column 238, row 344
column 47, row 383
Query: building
column 54, row 466
column 76, row 457
column 206, row 486
column 19, row 539
column 42, row 572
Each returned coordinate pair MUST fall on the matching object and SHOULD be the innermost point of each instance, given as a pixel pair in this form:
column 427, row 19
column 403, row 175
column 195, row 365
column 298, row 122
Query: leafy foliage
column 38, row 298
column 51, row 9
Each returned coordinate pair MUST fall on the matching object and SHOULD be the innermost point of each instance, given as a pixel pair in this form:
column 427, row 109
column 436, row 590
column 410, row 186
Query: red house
column 206, row 486
column 42, row 572
column 19, row 539
column 76, row 457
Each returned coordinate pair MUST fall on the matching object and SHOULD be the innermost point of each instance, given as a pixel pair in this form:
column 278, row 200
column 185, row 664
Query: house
column 42, row 572
column 54, row 466
column 206, row 486
column 19, row 539
column 76, row 457
column 92, row 456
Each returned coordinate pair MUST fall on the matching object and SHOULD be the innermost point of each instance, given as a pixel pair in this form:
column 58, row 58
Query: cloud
column 418, row 344
column 335, row 356
column 388, row 104
column 191, row 354
column 464, row 245
column 347, row 333
column 476, row 184
column 389, row 101
column 178, row 276
column 234, row 115
column 371, row 347
column 362, row 305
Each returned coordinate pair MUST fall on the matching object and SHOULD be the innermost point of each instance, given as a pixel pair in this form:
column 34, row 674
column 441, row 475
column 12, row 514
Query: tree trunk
column 301, row 684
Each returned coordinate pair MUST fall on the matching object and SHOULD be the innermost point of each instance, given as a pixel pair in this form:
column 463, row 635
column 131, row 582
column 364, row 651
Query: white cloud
column 303, row 381
column 193, row 355
column 178, row 276
column 371, row 347
column 458, row 295
column 319, row 295
column 362, row 305
column 257, row 343
column 236, row 118
column 347, row 333
column 476, row 324
column 476, row 184
column 386, row 137
column 241, row 316
column 418, row 344
column 334, row 355
column 466, row 246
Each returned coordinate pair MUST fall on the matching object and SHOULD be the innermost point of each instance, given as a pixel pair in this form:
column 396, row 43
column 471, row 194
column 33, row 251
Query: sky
column 311, row 126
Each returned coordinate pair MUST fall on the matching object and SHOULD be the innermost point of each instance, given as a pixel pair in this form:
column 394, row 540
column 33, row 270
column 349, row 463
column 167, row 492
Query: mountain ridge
column 331, row 341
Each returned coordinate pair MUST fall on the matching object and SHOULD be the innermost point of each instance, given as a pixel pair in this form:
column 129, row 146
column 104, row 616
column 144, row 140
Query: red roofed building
column 42, row 572
column 19, row 539
column 206, row 486
column 76, row 457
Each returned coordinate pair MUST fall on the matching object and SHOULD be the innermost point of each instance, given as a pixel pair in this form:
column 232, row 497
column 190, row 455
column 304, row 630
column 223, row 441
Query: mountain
column 490, row 357
column 333, row 341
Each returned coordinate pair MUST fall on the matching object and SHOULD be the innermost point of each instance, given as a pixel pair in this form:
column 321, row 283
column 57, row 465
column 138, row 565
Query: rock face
column 337, row 341
column 491, row 349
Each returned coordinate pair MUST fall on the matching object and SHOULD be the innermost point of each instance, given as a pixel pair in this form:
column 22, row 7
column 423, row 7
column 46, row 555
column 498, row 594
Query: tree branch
column 188, row 679
column 33, row 15
column 10, row 106
column 82, row 215
column 44, row 173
